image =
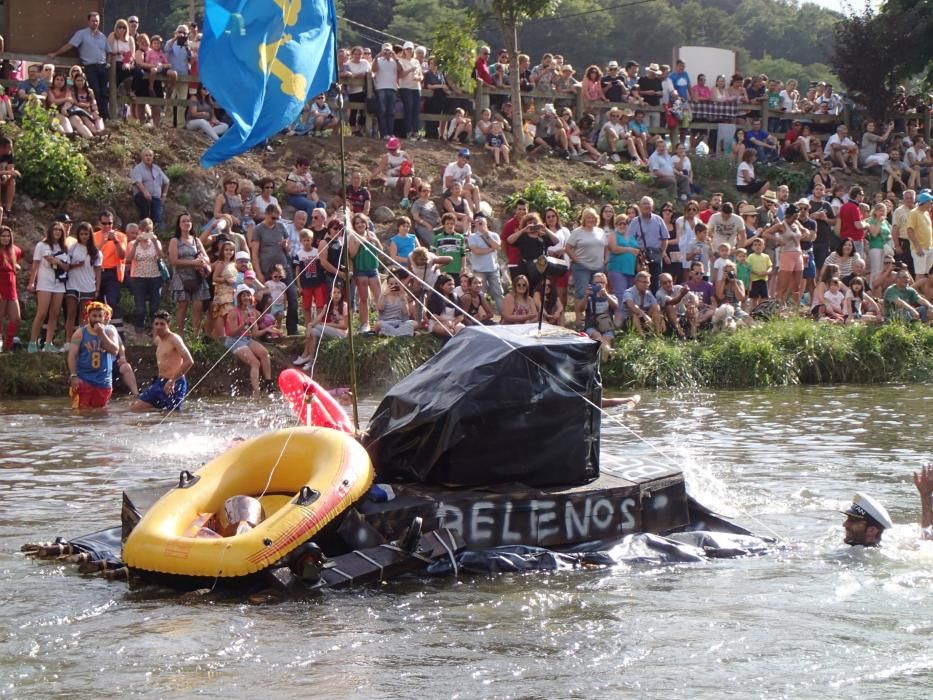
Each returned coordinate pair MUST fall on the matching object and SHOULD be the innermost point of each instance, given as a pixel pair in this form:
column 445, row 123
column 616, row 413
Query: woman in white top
column 684, row 227
column 264, row 198
column 789, row 96
column 682, row 163
column 47, row 279
column 719, row 90
column 357, row 67
column 561, row 233
column 83, row 284
column 409, row 88
column 122, row 47
column 386, row 71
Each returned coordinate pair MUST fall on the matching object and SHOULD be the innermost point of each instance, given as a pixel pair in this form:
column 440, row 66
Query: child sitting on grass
column 459, row 128
column 495, row 143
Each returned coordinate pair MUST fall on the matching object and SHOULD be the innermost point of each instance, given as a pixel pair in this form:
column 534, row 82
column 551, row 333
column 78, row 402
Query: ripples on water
column 815, row 619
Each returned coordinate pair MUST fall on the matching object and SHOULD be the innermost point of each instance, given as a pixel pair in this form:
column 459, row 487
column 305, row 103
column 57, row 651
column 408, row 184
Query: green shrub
column 632, row 173
column 51, row 167
column 177, row 172
column 602, row 190
column 539, row 198
column 796, row 180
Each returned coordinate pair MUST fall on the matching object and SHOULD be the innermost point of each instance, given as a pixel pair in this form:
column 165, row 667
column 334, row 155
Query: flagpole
column 346, row 246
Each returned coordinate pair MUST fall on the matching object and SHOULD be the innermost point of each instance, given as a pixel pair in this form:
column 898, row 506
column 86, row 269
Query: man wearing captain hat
column 866, row 520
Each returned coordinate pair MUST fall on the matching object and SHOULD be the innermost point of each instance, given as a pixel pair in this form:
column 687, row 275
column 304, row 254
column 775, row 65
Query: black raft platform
column 620, row 502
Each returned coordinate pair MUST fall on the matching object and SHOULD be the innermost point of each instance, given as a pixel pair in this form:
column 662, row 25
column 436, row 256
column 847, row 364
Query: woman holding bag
column 191, row 267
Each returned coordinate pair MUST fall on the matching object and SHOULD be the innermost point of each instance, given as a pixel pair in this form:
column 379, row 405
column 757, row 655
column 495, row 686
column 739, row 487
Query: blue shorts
column 809, row 270
column 235, row 343
column 155, row 395
column 581, row 280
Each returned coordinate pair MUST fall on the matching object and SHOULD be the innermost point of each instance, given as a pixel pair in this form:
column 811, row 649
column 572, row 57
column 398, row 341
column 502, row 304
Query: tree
column 511, row 14
column 782, row 69
column 868, row 55
column 418, row 20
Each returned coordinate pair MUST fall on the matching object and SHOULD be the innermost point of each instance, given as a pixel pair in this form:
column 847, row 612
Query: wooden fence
column 482, row 97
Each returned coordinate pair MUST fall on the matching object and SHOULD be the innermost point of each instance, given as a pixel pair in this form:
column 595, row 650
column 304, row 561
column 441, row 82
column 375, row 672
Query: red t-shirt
column 848, row 215
column 705, row 215
column 790, row 137
column 512, row 254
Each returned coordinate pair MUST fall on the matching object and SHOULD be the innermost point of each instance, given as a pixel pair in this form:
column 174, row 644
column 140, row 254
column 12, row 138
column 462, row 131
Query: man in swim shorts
column 90, row 360
column 168, row 390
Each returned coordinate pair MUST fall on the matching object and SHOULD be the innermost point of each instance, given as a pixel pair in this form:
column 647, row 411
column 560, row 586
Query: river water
column 815, row 619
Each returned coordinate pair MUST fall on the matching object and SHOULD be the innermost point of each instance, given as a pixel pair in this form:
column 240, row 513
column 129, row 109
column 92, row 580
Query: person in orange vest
column 112, row 245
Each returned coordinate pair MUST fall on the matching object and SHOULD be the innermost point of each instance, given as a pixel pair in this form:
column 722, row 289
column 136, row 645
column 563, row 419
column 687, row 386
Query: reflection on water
column 814, row 619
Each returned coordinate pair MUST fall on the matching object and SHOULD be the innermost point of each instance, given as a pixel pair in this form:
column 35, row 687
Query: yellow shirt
column 760, row 264
column 900, row 221
column 919, row 221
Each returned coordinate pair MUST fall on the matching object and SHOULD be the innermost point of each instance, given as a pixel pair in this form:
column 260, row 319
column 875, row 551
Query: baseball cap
column 393, row 143
column 241, row 255
column 924, row 198
column 464, row 152
column 243, row 288
column 408, row 45
column 249, row 275
column 865, row 507
column 612, row 64
column 387, row 46
column 63, row 218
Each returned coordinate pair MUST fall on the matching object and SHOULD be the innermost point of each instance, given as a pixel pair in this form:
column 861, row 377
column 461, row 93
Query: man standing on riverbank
column 168, row 390
column 90, row 360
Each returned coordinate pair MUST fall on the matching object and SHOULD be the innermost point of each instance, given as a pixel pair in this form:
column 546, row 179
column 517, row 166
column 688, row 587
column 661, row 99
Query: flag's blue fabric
column 261, row 59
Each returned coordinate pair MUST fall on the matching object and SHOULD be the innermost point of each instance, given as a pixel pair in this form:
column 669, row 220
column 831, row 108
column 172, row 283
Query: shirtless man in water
column 169, row 389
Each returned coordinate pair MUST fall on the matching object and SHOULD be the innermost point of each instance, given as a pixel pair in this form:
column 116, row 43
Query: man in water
column 173, row 358
column 923, row 480
column 866, row 521
column 90, row 360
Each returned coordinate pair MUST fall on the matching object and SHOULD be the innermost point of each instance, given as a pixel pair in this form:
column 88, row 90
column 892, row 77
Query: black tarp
column 497, row 404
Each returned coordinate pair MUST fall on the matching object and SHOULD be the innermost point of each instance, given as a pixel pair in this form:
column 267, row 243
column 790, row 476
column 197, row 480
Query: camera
column 594, row 288
column 730, row 275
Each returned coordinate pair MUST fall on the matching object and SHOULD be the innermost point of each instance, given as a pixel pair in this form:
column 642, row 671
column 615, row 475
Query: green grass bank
column 778, row 353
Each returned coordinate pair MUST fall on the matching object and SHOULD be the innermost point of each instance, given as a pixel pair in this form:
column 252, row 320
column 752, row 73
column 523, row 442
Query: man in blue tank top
column 90, row 360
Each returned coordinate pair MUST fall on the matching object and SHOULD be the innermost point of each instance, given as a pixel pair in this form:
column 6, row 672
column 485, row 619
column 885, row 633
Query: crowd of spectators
column 250, row 275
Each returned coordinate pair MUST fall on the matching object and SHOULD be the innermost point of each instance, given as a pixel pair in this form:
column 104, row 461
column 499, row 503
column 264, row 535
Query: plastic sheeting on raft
column 633, row 550
column 498, row 404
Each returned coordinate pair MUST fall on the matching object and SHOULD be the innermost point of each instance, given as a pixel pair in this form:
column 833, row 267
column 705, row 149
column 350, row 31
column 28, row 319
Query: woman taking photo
column 10, row 255
column 366, row 252
column 191, row 267
column 143, row 257
column 83, row 284
column 532, row 241
column 240, row 328
column 394, row 307
column 47, row 280
column 200, row 115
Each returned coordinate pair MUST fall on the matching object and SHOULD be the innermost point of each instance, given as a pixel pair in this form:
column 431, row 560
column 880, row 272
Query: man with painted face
column 90, row 360
column 866, row 520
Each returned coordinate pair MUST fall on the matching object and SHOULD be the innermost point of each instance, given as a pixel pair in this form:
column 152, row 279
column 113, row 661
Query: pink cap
column 393, row 143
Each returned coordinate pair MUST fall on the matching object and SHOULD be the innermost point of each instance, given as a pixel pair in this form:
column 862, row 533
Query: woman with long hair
column 86, row 116
column 561, row 282
column 201, row 116
column 519, row 306
column 10, row 255
column 230, row 202
column 842, row 258
column 684, row 226
column 143, row 257
column 446, row 315
column 140, row 83
column 607, row 217
column 365, row 251
column 191, row 267
column 60, row 100
column 83, row 284
column 122, row 47
column 331, row 321
column 553, row 308
column 47, row 280
column 223, row 275
column 671, row 259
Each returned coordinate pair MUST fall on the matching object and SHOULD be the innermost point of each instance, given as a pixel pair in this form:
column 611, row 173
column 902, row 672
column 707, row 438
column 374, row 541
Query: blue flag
column 261, row 59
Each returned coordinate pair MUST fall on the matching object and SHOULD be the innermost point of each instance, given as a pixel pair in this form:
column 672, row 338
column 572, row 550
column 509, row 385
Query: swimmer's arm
column 923, row 480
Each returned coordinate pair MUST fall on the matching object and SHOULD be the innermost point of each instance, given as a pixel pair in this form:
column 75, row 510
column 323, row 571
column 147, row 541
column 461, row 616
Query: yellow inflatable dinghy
column 303, row 478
